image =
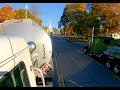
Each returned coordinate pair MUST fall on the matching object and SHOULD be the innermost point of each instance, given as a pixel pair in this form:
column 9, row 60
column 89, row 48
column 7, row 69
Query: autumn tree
column 72, row 14
column 109, row 14
column 6, row 13
column 102, row 16
column 20, row 14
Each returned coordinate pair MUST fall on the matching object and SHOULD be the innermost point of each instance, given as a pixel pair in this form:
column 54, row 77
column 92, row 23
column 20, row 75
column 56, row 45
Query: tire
column 116, row 69
column 100, row 56
column 94, row 55
column 85, row 51
column 103, row 58
column 108, row 64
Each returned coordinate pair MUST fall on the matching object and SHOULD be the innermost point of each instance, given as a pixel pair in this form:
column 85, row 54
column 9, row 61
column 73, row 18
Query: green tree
column 71, row 15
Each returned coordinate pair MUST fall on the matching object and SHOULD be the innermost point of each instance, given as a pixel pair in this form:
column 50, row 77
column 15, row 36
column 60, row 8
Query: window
column 106, row 41
column 24, row 76
column 16, row 78
column 7, row 82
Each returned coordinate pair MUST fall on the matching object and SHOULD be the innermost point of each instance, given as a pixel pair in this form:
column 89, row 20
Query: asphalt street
column 75, row 69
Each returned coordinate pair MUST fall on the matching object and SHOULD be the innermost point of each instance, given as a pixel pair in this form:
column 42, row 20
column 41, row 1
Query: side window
column 7, row 81
column 24, row 76
column 106, row 41
column 16, row 78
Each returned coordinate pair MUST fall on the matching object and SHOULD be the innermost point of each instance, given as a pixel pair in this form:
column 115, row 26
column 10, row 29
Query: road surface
column 75, row 69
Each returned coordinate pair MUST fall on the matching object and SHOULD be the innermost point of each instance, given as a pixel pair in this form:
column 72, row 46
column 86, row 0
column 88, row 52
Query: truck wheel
column 97, row 56
column 93, row 55
column 100, row 56
column 108, row 64
column 116, row 69
column 85, row 50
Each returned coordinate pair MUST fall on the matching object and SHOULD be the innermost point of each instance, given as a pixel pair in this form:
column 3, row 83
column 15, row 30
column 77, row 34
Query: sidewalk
column 81, row 43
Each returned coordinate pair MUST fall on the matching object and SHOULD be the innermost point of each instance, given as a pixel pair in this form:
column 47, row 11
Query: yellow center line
column 62, row 80
column 60, row 77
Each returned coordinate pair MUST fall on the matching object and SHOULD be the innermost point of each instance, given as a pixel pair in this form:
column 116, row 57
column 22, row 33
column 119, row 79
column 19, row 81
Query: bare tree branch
column 35, row 10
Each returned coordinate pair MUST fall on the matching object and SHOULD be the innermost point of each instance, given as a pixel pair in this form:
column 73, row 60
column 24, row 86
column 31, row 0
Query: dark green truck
column 105, row 49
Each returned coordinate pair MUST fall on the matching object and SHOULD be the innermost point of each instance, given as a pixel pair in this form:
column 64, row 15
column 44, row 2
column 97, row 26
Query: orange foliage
column 6, row 13
column 73, row 7
column 109, row 12
column 69, row 30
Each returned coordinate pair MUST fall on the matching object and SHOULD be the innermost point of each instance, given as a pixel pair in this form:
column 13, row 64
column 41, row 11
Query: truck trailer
column 15, row 63
column 34, row 34
column 106, row 50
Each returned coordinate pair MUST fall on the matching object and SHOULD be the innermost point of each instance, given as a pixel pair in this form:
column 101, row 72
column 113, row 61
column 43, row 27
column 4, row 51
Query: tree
column 20, row 14
column 6, row 13
column 62, row 31
column 35, row 10
column 109, row 14
column 72, row 14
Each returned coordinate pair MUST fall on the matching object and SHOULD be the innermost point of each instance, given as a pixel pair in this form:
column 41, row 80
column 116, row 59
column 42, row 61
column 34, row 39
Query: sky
column 48, row 11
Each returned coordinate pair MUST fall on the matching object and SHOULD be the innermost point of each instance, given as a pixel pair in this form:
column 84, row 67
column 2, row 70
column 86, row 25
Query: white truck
column 15, row 63
column 33, row 34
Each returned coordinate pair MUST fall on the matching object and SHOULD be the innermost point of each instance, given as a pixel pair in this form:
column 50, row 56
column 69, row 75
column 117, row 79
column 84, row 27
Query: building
column 50, row 30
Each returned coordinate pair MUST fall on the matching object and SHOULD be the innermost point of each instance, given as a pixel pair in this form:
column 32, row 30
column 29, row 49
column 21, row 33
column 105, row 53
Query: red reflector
column 18, row 21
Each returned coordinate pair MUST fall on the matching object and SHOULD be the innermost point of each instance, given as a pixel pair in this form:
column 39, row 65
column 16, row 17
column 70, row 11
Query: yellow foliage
column 20, row 14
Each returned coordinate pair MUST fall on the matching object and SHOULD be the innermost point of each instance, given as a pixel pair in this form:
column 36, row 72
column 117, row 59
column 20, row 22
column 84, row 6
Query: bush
column 78, row 38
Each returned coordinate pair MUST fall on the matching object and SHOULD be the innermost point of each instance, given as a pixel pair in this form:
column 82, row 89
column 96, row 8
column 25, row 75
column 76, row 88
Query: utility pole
column 26, row 10
column 107, row 32
column 92, row 35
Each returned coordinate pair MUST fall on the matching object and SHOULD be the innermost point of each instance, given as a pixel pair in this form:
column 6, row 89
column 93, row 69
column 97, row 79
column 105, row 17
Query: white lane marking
column 75, row 83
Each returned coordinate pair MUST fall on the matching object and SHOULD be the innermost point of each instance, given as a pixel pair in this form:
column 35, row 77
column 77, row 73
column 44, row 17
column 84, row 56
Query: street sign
column 46, row 68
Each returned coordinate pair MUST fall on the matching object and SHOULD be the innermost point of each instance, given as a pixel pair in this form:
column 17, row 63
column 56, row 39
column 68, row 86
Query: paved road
column 75, row 69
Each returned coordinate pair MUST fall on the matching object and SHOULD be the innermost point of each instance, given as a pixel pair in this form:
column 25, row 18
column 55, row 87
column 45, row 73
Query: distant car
column 69, row 40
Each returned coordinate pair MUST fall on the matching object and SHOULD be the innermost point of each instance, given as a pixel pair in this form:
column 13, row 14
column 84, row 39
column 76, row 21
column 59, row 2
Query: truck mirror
column 32, row 46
